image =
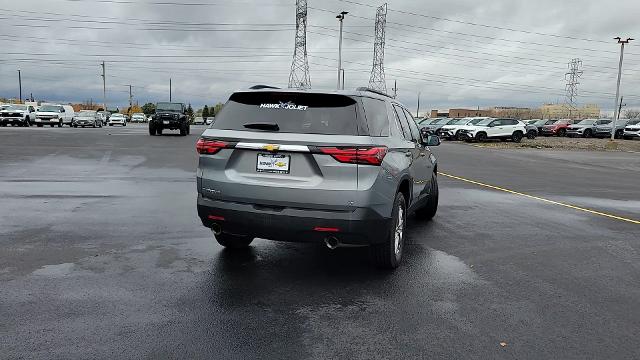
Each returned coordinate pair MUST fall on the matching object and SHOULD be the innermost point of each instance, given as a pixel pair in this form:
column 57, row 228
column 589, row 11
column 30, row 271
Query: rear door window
column 376, row 112
column 305, row 113
column 403, row 122
column 412, row 124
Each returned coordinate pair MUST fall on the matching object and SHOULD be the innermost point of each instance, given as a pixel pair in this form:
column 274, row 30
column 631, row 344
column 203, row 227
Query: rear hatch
column 283, row 149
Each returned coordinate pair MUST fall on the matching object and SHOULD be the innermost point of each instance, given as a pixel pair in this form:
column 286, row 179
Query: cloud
column 515, row 55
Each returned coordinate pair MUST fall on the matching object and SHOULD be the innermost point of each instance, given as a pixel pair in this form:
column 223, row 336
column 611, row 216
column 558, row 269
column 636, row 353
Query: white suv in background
column 502, row 129
column 632, row 130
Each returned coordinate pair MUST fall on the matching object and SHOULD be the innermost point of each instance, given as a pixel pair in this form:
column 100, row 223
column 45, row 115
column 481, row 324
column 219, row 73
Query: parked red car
column 558, row 128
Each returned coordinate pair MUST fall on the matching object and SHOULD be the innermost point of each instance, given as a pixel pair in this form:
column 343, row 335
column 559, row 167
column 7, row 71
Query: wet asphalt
column 103, row 257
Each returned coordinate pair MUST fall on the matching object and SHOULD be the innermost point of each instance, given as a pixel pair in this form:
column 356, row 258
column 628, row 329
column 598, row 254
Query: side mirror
column 61, row 110
column 425, row 132
column 432, row 140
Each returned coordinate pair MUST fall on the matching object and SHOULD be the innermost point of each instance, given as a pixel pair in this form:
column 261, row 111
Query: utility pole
column 620, row 107
column 169, row 89
column 395, row 88
column 418, row 110
column 104, row 88
column 341, row 18
column 616, row 113
column 20, row 84
column 130, row 98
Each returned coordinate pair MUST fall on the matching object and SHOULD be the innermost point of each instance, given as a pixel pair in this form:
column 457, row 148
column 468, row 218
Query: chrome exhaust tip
column 331, row 242
column 217, row 229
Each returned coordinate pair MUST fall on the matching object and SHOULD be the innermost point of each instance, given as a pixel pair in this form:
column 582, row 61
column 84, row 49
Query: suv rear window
column 304, row 113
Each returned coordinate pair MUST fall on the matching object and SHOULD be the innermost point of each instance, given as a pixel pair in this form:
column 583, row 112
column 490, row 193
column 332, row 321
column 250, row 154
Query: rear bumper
column 359, row 227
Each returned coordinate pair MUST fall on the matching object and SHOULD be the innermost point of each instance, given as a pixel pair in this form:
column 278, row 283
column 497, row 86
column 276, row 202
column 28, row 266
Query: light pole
column 341, row 18
column 20, row 84
column 616, row 114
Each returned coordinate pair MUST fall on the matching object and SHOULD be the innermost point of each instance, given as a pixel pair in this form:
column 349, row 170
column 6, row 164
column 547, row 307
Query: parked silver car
column 87, row 118
column 585, row 128
column 344, row 168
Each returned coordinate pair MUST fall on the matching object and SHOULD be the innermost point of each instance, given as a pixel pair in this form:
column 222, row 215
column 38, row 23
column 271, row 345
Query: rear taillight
column 360, row 155
column 210, row 147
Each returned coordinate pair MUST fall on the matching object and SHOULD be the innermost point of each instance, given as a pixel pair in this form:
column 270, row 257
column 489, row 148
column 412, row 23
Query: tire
column 429, row 210
column 481, row 136
column 75, row 126
column 587, row 133
column 562, row 133
column 152, row 131
column 52, row 125
column 233, row 241
column 110, row 124
column 627, row 137
column 388, row 254
column 458, row 136
column 531, row 135
column 183, row 130
column 516, row 137
column 188, row 129
column 60, row 124
column 38, row 125
column 159, row 131
column 124, row 124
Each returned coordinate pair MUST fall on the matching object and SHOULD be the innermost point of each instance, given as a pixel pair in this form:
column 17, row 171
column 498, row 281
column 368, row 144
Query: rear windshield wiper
column 263, row 126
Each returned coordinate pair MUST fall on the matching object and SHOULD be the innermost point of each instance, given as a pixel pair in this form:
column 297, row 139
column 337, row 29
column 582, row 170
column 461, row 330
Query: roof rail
column 362, row 88
column 258, row 87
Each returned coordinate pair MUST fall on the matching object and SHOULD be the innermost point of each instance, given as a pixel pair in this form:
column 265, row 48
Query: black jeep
column 172, row 116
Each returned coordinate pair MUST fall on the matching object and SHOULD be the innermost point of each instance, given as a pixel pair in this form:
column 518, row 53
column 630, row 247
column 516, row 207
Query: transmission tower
column 299, row 77
column 377, row 81
column 572, row 77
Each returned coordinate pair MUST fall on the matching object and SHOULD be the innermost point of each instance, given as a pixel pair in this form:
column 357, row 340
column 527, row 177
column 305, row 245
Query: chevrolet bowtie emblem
column 271, row 147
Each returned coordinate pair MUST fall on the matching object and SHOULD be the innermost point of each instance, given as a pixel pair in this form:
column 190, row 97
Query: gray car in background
column 341, row 168
column 603, row 131
column 585, row 128
column 87, row 118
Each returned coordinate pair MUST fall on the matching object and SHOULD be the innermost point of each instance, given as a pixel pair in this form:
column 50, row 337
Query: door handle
column 408, row 154
column 423, row 154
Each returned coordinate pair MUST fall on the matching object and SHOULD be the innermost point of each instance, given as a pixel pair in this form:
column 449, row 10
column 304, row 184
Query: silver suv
column 344, row 168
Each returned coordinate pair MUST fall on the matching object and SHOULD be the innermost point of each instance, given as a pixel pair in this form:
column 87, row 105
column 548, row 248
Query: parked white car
column 198, row 120
column 210, row 120
column 632, row 130
column 138, row 118
column 452, row 132
column 118, row 119
column 17, row 115
column 502, row 129
column 54, row 114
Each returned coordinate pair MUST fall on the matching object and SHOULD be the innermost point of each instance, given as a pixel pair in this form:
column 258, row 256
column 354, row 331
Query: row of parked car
column 486, row 128
column 62, row 115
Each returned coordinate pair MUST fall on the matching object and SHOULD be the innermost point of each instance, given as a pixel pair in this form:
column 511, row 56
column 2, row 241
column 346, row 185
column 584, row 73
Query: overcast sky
column 456, row 53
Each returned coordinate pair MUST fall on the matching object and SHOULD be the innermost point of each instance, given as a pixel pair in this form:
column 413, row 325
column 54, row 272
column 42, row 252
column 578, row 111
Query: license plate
column 165, row 122
column 273, row 163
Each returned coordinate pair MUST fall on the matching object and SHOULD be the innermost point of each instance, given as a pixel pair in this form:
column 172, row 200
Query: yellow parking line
column 611, row 216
